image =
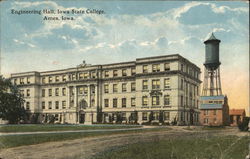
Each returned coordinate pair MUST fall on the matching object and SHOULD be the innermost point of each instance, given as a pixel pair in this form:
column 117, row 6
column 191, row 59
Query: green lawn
column 226, row 147
column 20, row 140
column 41, row 127
column 213, row 128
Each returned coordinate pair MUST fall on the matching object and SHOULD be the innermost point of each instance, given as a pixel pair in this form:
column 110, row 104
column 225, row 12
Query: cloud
column 24, row 43
column 194, row 13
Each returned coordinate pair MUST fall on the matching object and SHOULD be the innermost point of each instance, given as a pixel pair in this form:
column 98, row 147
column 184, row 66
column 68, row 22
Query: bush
column 243, row 126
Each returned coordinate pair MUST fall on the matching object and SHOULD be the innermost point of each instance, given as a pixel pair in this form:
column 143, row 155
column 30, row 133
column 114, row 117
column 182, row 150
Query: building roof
column 221, row 97
column 211, row 106
column 212, row 38
column 237, row 111
column 111, row 65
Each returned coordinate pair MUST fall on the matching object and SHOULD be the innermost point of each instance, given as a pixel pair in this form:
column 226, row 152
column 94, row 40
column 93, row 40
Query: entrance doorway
column 82, row 118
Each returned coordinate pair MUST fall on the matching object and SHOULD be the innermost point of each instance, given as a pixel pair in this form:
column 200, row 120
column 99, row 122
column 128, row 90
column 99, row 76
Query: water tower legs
column 212, row 82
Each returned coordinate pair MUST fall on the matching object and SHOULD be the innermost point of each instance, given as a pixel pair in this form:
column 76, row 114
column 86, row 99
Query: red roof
column 236, row 111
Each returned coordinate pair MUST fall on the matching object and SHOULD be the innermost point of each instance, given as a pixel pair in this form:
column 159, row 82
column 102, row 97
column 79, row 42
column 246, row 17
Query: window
column 92, row 89
column 215, row 112
column 106, row 88
column 132, row 102
column 166, row 66
column 205, row 112
column 27, row 105
column 182, row 68
column 64, row 78
column 114, row 103
column 155, row 84
column 85, row 75
column 43, row 92
column 57, row 78
column 144, row 100
column 182, row 102
column 22, row 92
column 50, row 105
column 124, row 102
column 106, row 73
column 106, row 102
column 81, row 75
column 145, row 68
column 145, row 84
column 43, row 105
column 156, row 68
column 115, row 73
column 57, row 105
column 93, row 74
column 15, row 81
column 21, row 81
column 124, row 117
column 50, row 79
column 73, row 76
column 124, row 87
column 124, row 72
column 43, row 80
column 28, row 80
column 206, row 120
column 63, row 104
column 133, row 71
column 50, row 92
column 155, row 100
column 80, row 90
column 167, row 83
column 182, row 84
column 167, row 100
column 132, row 87
column 166, row 115
column 115, row 89
column 85, row 89
column 57, row 92
column 144, row 116
column 156, row 115
column 64, row 91
column 28, row 92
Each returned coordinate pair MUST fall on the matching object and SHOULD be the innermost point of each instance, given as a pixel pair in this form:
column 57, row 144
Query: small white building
column 153, row 89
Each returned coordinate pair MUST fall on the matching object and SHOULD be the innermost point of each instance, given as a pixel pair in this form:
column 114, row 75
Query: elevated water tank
column 212, row 60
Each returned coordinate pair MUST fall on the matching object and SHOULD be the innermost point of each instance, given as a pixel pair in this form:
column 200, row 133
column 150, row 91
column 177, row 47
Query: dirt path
column 87, row 147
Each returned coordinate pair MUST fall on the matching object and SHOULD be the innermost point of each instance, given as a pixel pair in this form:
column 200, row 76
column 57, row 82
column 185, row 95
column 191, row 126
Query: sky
column 126, row 31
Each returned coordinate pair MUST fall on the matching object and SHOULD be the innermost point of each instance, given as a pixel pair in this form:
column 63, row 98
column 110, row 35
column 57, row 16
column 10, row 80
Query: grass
column 20, row 140
column 226, row 147
column 213, row 128
column 41, row 127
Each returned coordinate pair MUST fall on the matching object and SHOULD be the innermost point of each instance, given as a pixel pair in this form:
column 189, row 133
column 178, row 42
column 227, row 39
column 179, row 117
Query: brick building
column 214, row 110
column 236, row 116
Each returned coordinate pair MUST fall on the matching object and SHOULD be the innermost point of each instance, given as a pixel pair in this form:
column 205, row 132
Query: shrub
column 243, row 126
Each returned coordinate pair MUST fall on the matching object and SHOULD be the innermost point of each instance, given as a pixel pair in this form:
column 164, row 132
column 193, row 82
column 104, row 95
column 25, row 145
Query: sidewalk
column 70, row 131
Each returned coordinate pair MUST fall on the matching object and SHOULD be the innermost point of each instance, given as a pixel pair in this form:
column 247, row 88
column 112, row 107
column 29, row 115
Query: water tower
column 212, row 82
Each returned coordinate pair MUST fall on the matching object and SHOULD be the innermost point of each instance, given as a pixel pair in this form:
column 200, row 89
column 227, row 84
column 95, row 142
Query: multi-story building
column 154, row 89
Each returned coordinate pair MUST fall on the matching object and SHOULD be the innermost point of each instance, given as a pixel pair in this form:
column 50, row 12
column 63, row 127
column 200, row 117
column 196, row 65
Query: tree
column 11, row 102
